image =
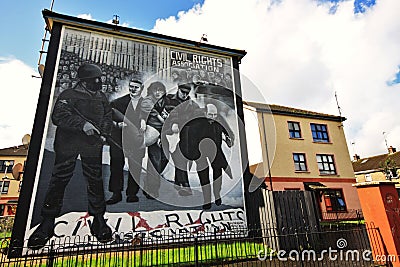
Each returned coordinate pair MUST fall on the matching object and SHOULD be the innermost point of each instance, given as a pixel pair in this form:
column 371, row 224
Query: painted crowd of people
column 113, row 78
column 202, row 76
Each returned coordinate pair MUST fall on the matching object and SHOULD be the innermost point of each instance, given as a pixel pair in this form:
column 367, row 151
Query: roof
column 282, row 110
column 14, row 151
column 51, row 17
column 374, row 163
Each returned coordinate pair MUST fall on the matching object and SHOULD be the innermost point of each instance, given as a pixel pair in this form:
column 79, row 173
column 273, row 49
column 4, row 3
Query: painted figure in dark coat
column 182, row 110
column 154, row 115
column 126, row 109
column 209, row 132
column 83, row 117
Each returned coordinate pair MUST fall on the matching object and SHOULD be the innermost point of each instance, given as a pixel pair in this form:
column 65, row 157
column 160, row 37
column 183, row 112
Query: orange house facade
column 305, row 150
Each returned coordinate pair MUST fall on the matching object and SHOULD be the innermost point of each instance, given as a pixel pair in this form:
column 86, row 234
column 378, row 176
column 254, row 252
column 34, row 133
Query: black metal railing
column 355, row 247
column 350, row 215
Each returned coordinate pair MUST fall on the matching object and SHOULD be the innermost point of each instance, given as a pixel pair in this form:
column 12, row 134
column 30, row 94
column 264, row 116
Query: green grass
column 4, row 235
column 207, row 253
column 350, row 222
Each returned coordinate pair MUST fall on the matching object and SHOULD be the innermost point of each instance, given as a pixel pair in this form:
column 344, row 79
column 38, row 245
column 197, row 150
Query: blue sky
column 25, row 24
column 300, row 52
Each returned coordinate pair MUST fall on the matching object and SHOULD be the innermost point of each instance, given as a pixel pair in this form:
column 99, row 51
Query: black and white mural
column 140, row 138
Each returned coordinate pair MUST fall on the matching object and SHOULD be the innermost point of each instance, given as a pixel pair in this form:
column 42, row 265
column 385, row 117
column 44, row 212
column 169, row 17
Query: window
column 4, row 186
column 4, row 167
column 294, row 129
column 299, row 162
column 326, row 164
column 334, row 200
column 319, row 133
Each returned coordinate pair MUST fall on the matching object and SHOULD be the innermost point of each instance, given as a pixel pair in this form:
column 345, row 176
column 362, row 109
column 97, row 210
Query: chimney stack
column 391, row 150
column 356, row 157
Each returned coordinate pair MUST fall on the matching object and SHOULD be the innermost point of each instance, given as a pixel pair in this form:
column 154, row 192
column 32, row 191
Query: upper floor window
column 4, row 186
column 294, row 129
column 6, row 166
column 326, row 164
column 319, row 132
column 299, row 162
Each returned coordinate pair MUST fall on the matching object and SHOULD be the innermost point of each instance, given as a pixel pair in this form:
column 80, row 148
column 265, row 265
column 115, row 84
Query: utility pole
column 384, row 137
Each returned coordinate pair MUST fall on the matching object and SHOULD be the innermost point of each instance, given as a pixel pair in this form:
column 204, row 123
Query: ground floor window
column 334, row 200
column 4, row 186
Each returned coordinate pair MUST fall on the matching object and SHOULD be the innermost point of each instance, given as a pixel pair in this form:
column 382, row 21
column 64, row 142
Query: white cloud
column 89, row 17
column 299, row 55
column 124, row 24
column 20, row 93
column 85, row 16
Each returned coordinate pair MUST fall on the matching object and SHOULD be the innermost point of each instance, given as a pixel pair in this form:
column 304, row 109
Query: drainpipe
column 266, row 149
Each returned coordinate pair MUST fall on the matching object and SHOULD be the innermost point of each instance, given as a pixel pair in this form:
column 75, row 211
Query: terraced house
column 12, row 162
column 383, row 167
column 307, row 151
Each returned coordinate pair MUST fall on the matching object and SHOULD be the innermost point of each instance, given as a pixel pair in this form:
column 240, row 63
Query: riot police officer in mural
column 83, row 117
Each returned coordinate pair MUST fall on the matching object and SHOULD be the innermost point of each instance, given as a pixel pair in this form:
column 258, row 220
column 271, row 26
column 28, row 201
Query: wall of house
column 14, row 187
column 281, row 148
column 375, row 176
column 282, row 160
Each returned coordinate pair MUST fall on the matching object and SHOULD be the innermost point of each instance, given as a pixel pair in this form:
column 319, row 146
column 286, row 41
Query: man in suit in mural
column 126, row 109
column 83, row 119
column 204, row 130
column 182, row 110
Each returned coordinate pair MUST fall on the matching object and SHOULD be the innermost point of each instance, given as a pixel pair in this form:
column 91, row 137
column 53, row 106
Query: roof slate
column 374, row 163
column 14, row 151
column 277, row 109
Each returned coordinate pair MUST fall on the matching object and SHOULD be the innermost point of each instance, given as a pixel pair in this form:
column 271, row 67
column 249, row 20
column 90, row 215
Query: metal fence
column 283, row 229
column 350, row 247
column 350, row 215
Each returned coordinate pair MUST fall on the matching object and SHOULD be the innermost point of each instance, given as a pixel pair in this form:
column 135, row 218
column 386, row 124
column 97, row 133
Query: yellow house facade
column 12, row 162
column 306, row 151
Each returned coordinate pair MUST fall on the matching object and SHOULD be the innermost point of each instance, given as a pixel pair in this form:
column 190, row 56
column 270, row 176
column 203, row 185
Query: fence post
column 141, row 252
column 298, row 247
column 216, row 245
column 50, row 260
column 196, row 252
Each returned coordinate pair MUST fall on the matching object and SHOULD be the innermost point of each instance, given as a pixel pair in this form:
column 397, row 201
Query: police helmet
column 87, row 71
